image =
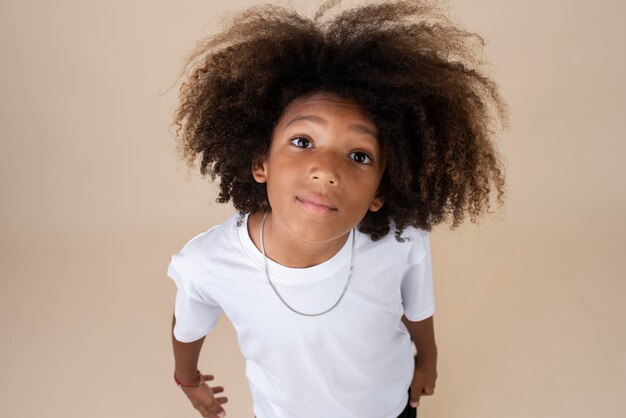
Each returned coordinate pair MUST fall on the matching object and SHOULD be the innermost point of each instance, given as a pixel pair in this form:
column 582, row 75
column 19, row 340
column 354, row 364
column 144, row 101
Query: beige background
column 530, row 314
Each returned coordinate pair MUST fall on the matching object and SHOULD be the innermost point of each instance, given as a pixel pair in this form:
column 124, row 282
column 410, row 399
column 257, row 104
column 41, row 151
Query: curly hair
column 415, row 73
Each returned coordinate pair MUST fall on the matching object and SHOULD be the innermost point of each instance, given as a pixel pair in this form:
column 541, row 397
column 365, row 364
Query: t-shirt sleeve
column 417, row 283
column 195, row 315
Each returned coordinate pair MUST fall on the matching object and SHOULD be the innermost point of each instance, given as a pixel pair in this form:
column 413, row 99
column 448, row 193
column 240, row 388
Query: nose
column 325, row 169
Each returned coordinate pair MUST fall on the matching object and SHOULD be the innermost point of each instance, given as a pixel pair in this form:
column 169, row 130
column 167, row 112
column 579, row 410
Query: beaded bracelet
column 196, row 382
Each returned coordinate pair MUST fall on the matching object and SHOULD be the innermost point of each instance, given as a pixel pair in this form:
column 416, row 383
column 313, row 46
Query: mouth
column 316, row 204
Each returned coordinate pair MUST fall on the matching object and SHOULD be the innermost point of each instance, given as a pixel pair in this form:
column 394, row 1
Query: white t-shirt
column 355, row 361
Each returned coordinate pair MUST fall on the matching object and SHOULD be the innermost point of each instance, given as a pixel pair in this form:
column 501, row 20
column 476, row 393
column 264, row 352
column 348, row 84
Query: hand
column 202, row 398
column 423, row 383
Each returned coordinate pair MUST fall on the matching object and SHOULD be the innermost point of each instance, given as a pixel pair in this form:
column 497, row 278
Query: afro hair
column 414, row 72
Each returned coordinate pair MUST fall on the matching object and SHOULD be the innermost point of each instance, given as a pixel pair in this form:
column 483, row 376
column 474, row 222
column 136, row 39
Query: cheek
column 279, row 186
column 364, row 182
column 285, row 172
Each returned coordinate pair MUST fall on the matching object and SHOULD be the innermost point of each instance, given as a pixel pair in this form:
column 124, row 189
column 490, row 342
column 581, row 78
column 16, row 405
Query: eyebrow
column 316, row 119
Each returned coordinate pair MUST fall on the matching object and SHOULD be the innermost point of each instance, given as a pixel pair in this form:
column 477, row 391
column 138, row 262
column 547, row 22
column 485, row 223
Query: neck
column 284, row 248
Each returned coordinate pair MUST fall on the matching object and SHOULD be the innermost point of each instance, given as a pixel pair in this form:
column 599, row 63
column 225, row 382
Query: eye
column 361, row 157
column 301, row 142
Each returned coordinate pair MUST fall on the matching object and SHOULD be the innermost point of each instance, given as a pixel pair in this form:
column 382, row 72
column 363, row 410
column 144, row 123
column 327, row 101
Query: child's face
column 323, row 167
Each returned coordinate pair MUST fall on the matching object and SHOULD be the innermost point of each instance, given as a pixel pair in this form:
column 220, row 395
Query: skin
column 324, row 149
column 425, row 374
column 323, row 171
column 203, row 398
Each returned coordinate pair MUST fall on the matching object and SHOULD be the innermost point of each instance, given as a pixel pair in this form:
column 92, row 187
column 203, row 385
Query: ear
column 259, row 169
column 377, row 202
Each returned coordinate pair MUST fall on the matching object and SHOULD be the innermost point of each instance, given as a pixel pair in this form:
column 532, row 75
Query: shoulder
column 414, row 243
column 203, row 245
column 418, row 242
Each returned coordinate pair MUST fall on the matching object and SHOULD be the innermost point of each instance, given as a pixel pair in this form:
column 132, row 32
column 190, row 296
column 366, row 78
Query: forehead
column 326, row 105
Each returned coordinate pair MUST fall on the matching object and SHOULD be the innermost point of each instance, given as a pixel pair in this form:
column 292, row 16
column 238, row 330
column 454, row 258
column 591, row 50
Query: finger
column 428, row 391
column 212, row 410
column 217, row 412
column 203, row 411
column 217, row 389
column 415, row 399
column 221, row 400
column 208, row 377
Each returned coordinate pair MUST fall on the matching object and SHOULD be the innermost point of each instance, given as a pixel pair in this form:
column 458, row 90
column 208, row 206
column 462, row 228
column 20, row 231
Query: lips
column 317, row 203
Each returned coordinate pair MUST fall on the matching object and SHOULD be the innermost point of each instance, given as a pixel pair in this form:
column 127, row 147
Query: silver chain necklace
column 267, row 274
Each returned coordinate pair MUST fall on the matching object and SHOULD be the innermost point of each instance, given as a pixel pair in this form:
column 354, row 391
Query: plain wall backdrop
column 530, row 317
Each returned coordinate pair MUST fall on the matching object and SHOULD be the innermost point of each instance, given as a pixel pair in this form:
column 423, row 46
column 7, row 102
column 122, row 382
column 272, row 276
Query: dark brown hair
column 415, row 73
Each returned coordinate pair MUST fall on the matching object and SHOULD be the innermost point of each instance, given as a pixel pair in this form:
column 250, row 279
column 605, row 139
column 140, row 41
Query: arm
column 186, row 356
column 202, row 398
column 423, row 335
